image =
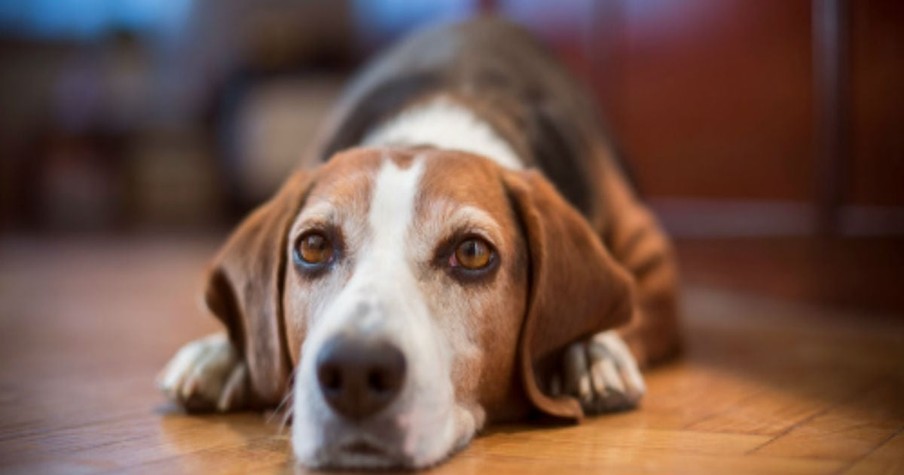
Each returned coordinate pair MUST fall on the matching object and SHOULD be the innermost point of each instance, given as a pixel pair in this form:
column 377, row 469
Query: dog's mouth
column 363, row 448
column 360, row 453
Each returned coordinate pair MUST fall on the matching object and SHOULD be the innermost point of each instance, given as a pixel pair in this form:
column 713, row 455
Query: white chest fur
column 443, row 123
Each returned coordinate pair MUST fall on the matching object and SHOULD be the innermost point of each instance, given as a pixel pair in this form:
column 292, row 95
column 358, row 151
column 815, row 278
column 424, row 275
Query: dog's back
column 507, row 77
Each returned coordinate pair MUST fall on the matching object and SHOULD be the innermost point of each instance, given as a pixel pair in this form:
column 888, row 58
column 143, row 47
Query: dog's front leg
column 207, row 374
column 601, row 373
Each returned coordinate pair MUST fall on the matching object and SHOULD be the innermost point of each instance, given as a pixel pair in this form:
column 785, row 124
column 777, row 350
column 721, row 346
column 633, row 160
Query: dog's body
column 425, row 279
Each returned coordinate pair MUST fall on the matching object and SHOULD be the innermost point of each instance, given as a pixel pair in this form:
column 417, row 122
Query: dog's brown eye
column 314, row 249
column 472, row 254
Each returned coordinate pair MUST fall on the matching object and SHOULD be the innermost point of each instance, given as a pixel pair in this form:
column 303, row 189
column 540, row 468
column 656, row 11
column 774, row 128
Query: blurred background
column 768, row 135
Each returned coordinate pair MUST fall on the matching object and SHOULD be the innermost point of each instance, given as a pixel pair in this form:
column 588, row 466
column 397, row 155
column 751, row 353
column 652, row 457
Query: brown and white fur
column 464, row 130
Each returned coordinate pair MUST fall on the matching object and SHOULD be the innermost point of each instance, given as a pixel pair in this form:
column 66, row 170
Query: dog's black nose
column 359, row 376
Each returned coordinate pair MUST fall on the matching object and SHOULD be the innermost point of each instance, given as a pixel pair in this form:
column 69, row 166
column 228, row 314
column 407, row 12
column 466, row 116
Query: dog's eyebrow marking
column 476, row 217
column 444, row 217
column 443, row 123
column 318, row 212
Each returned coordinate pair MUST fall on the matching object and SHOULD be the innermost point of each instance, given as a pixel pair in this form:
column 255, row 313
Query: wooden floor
column 768, row 385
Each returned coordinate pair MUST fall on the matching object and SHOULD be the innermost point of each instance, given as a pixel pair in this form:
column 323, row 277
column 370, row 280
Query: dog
column 461, row 247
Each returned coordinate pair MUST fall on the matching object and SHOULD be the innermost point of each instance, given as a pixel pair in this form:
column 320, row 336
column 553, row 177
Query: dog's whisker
column 284, row 423
column 281, row 408
column 284, row 412
column 282, row 404
column 284, row 409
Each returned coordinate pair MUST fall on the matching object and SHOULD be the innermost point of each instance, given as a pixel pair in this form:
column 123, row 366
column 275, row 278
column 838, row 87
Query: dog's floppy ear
column 576, row 288
column 245, row 286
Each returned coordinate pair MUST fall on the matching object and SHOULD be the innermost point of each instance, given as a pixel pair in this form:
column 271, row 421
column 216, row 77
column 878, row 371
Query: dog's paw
column 206, row 375
column 601, row 373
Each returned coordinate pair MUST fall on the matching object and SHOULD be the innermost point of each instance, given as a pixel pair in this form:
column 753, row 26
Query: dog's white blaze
column 391, row 210
column 390, row 270
column 382, row 297
column 443, row 123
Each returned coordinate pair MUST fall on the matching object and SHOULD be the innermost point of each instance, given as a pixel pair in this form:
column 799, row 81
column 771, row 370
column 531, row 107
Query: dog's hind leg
column 637, row 241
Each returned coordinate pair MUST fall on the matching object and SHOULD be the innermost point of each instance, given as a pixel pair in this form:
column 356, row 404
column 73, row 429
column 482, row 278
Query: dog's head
column 409, row 295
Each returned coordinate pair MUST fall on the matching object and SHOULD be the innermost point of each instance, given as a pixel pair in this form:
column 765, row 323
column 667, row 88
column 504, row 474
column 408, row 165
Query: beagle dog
column 461, row 247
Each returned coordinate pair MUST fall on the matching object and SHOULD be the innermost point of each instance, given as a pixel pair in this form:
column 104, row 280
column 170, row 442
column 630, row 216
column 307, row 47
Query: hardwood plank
column 141, row 439
column 598, row 433
column 683, row 393
column 848, row 431
column 775, row 410
column 887, row 459
column 267, row 454
column 573, row 458
column 805, row 362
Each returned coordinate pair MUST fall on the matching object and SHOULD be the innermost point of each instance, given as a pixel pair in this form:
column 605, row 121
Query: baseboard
column 751, row 218
column 711, row 218
column 871, row 220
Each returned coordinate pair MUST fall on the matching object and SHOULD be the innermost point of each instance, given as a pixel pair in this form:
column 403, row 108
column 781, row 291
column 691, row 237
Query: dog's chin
column 361, row 454
column 364, row 452
column 377, row 447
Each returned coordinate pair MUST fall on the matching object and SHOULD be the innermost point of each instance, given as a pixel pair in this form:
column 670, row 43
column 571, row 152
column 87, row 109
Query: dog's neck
column 444, row 123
